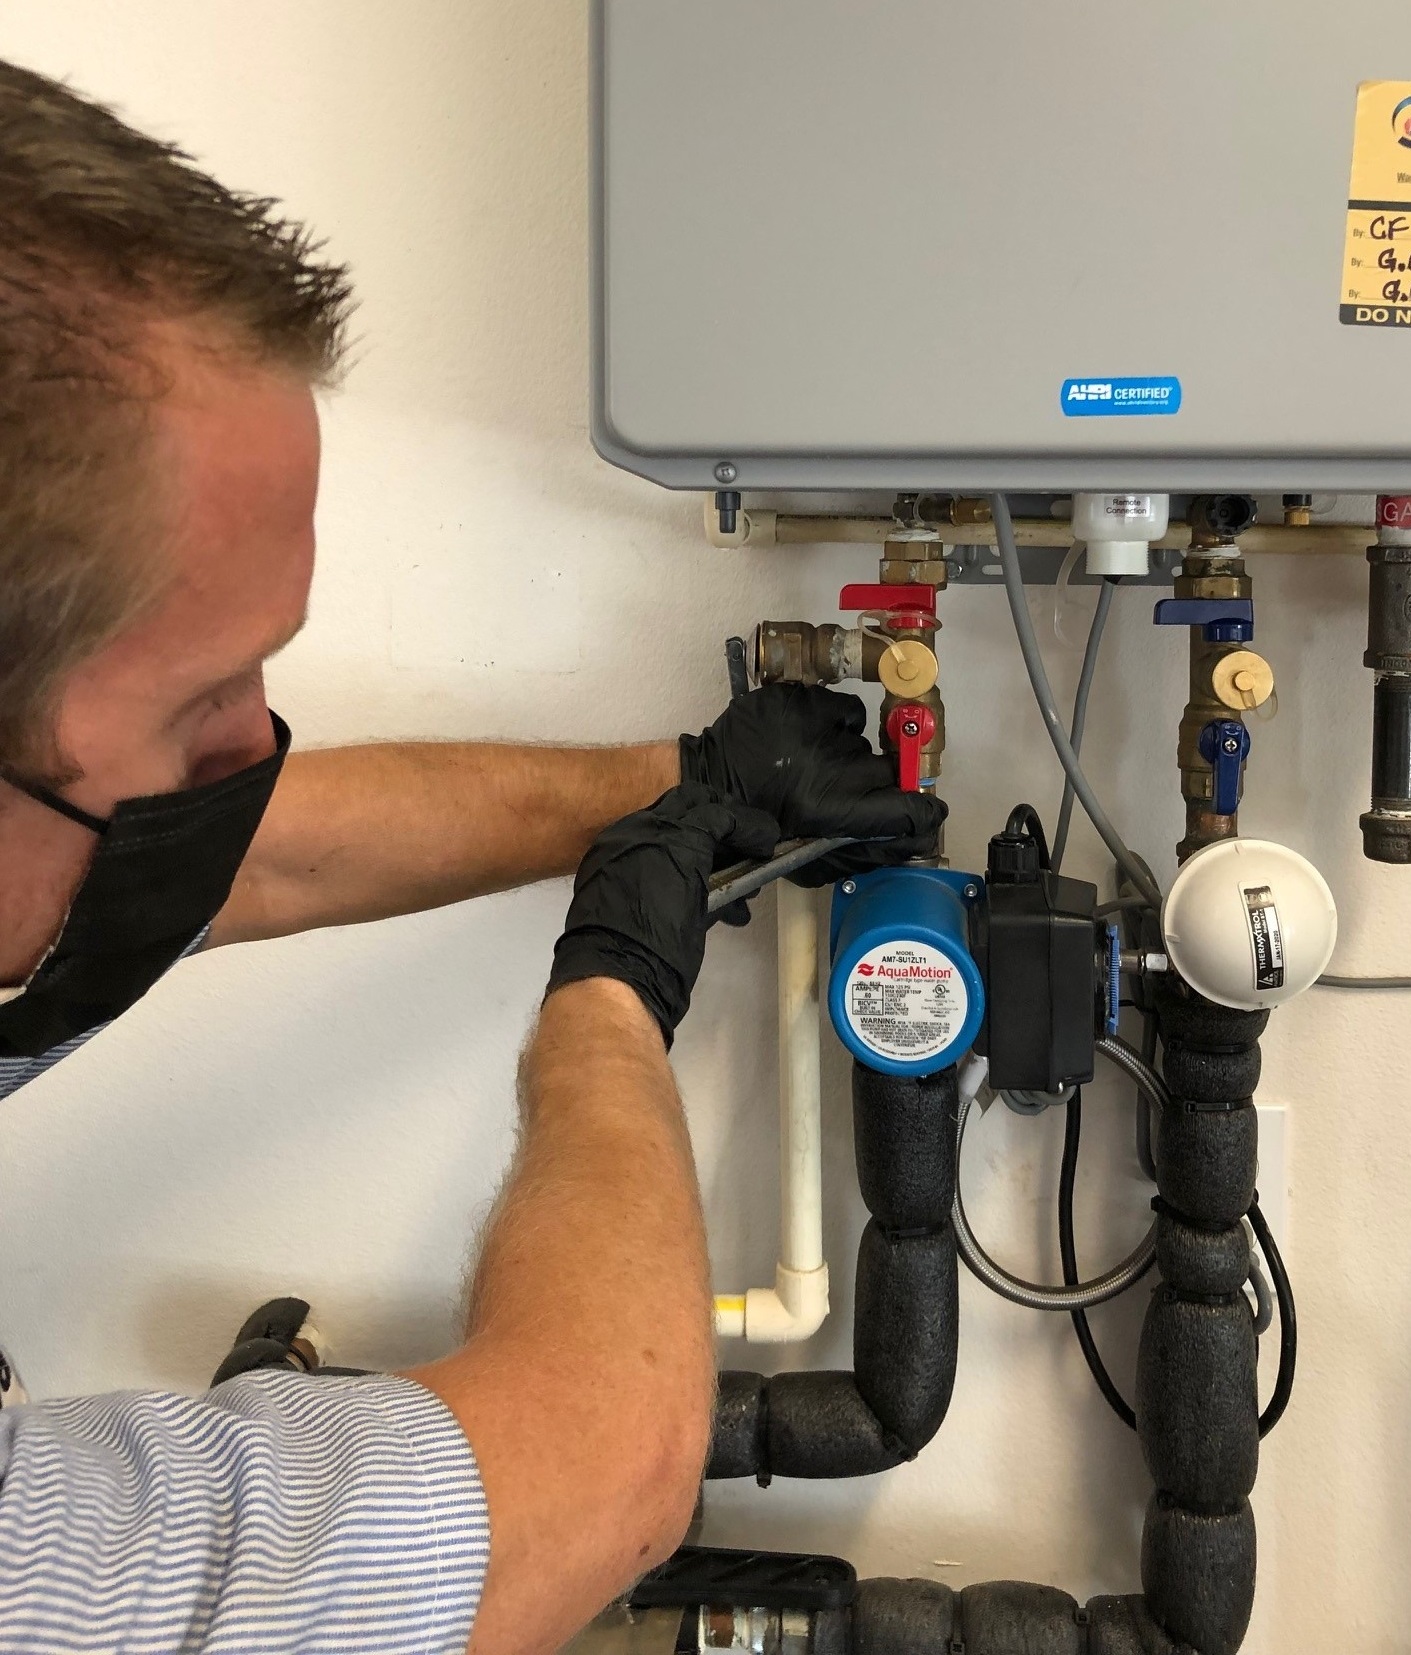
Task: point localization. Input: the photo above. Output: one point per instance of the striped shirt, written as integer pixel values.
(279, 1512)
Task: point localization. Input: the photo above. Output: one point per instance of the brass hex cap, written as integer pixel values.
(908, 668)
(1242, 680)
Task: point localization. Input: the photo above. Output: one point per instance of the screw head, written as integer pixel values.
(849, 887)
(972, 891)
(725, 472)
(911, 728)
(1231, 745)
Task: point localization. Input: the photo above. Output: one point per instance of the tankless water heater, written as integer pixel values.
(1116, 244)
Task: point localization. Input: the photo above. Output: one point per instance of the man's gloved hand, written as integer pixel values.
(639, 902)
(800, 754)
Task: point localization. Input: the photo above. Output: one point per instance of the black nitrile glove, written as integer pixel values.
(800, 753)
(639, 902)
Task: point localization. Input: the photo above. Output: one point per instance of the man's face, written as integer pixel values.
(178, 699)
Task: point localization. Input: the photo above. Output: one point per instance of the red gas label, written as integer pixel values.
(1394, 511)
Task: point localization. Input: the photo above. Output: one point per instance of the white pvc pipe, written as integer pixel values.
(800, 1125)
(795, 1307)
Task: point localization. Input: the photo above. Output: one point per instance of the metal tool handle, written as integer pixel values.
(745, 878)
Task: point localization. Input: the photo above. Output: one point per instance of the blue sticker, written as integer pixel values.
(1110, 398)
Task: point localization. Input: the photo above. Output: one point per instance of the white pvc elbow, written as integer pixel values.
(792, 1310)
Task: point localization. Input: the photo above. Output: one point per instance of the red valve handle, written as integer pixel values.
(914, 599)
(909, 727)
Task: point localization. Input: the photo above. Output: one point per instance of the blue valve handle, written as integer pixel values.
(1224, 743)
(1114, 979)
(1223, 620)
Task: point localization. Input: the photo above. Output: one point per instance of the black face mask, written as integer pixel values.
(162, 872)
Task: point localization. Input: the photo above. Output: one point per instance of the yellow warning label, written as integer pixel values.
(1376, 265)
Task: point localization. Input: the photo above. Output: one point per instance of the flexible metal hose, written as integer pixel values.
(1041, 1296)
(1327, 980)
(1137, 1068)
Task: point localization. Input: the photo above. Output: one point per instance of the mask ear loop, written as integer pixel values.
(52, 801)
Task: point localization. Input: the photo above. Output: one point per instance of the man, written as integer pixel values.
(160, 344)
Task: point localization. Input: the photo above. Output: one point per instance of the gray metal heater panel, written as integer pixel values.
(865, 243)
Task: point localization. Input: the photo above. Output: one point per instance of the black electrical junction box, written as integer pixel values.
(1040, 948)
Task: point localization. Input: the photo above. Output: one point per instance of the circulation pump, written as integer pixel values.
(928, 963)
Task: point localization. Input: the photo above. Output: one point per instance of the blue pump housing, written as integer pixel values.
(904, 993)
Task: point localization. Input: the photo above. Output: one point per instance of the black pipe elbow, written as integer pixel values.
(906, 1313)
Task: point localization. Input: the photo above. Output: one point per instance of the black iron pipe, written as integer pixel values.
(1386, 827)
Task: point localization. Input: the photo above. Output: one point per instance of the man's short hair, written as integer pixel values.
(104, 232)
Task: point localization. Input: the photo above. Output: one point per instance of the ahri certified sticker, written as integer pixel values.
(1114, 398)
(1266, 934)
(1376, 272)
(906, 1001)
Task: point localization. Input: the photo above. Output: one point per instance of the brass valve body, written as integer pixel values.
(1208, 572)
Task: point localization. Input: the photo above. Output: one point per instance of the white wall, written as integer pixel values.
(329, 1115)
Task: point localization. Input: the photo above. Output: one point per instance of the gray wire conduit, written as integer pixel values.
(1139, 875)
(1039, 1296)
(1080, 714)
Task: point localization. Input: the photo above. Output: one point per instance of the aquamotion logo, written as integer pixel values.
(1401, 123)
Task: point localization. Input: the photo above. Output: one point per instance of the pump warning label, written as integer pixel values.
(1376, 273)
(906, 1001)
(1266, 934)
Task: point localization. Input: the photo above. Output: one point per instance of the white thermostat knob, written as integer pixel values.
(1249, 923)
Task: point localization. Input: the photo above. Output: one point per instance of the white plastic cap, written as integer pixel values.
(1118, 557)
(1249, 923)
(1118, 529)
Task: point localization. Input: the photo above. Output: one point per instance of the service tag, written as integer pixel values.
(1376, 274)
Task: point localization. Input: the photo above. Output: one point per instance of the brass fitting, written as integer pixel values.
(913, 559)
(952, 510)
(797, 652)
(964, 511)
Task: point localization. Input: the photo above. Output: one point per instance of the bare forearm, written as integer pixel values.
(589, 1361)
(362, 833)
(602, 1209)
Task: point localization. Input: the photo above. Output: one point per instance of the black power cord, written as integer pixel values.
(1288, 1319)
(1067, 1178)
(1144, 1150)
(1025, 823)
(1283, 1288)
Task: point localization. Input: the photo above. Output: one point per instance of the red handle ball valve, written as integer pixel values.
(909, 727)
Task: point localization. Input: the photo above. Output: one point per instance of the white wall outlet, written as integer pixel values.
(1274, 1169)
